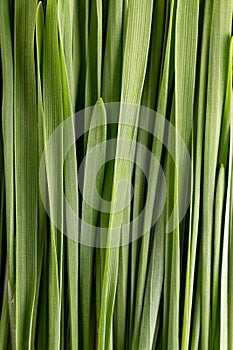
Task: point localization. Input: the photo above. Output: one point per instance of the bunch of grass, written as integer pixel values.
(164, 290)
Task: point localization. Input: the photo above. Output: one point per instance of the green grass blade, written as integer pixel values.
(230, 340)
(65, 20)
(70, 167)
(112, 62)
(26, 178)
(83, 12)
(120, 322)
(169, 169)
(219, 203)
(42, 220)
(153, 288)
(97, 135)
(40, 323)
(186, 35)
(230, 322)
(186, 38)
(226, 279)
(224, 307)
(53, 116)
(226, 120)
(94, 60)
(76, 54)
(196, 328)
(8, 144)
(111, 89)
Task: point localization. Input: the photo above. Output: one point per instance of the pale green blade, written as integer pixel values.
(76, 54)
(173, 257)
(112, 60)
(96, 138)
(83, 19)
(92, 88)
(230, 184)
(94, 59)
(42, 223)
(70, 179)
(111, 89)
(53, 116)
(225, 154)
(65, 20)
(230, 321)
(186, 39)
(40, 323)
(219, 203)
(120, 321)
(153, 288)
(196, 328)
(226, 278)
(169, 169)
